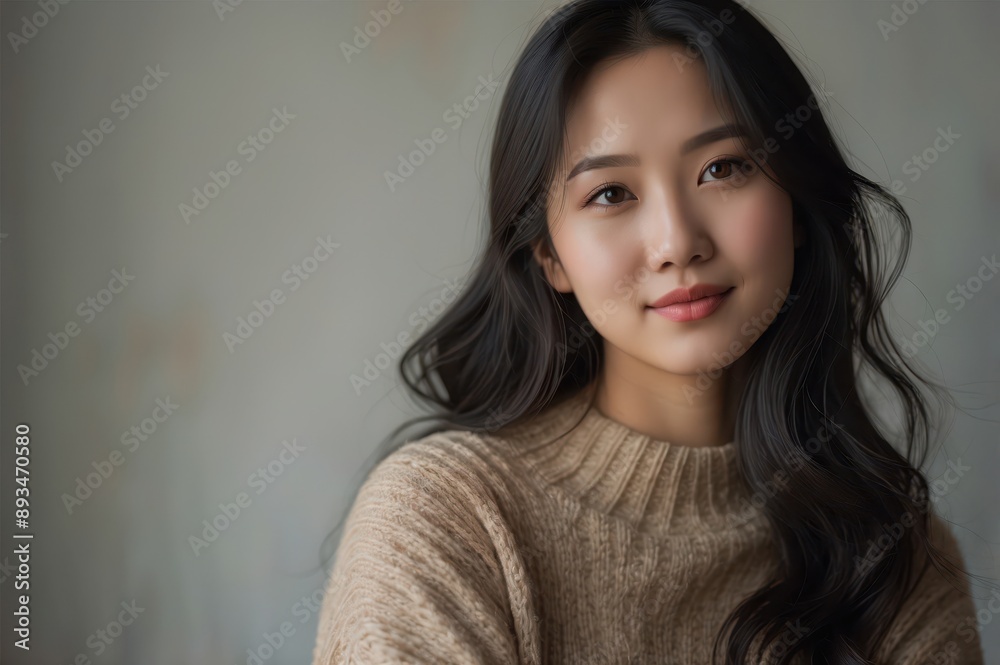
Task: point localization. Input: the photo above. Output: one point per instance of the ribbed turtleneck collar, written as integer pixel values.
(658, 487)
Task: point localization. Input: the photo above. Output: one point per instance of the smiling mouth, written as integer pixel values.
(693, 310)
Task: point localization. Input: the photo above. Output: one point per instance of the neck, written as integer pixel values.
(688, 410)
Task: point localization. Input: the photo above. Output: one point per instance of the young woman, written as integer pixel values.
(652, 447)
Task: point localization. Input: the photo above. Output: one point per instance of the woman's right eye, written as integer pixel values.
(607, 189)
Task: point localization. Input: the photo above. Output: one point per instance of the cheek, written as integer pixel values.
(595, 263)
(759, 234)
(603, 274)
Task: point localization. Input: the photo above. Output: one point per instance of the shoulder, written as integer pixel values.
(422, 563)
(452, 464)
(455, 450)
(937, 622)
(451, 452)
(444, 490)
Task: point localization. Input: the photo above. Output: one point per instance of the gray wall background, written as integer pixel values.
(162, 336)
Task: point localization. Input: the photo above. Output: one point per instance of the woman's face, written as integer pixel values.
(677, 210)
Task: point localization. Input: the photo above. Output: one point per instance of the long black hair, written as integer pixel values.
(510, 345)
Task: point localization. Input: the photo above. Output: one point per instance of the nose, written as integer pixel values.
(676, 235)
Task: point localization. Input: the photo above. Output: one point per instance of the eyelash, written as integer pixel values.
(606, 185)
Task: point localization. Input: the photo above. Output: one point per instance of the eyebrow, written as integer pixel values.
(611, 161)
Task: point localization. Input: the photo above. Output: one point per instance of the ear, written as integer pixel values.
(545, 257)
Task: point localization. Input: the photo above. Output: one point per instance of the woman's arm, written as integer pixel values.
(937, 625)
(417, 576)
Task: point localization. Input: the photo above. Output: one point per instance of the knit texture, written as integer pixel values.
(571, 538)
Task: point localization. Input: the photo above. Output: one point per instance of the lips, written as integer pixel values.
(682, 295)
(699, 301)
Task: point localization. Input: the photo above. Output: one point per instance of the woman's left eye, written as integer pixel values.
(728, 168)
(610, 190)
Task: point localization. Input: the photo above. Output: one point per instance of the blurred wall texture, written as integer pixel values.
(169, 167)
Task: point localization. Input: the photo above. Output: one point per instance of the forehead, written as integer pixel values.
(661, 94)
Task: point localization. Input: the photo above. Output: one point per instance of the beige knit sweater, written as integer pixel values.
(603, 546)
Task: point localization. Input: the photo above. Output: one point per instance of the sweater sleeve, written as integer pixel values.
(417, 576)
(937, 624)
